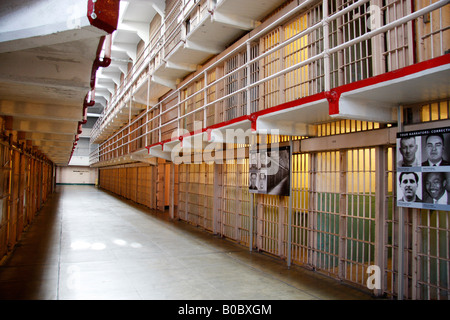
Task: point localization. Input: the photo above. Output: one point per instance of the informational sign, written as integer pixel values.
(423, 169)
(269, 171)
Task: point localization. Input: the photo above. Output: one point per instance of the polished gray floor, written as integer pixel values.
(89, 244)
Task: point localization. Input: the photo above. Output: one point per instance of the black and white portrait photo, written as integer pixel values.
(436, 188)
(253, 181)
(409, 152)
(434, 150)
(409, 187)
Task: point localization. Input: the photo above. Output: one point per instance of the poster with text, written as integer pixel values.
(270, 171)
(423, 169)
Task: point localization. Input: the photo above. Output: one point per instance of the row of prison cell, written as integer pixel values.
(26, 181)
(344, 217)
(282, 65)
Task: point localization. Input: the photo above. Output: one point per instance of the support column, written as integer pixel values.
(289, 243)
(416, 245)
(160, 184)
(342, 214)
(326, 46)
(147, 112)
(281, 222)
(252, 147)
(172, 192)
(381, 207)
(217, 197)
(312, 210)
(248, 102)
(401, 225)
(238, 203)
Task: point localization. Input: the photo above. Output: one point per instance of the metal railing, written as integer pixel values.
(146, 63)
(341, 54)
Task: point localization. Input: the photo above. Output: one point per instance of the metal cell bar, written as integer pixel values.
(401, 223)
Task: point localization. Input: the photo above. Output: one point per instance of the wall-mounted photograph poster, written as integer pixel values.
(269, 171)
(423, 169)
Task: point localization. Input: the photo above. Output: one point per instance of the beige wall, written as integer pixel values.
(76, 175)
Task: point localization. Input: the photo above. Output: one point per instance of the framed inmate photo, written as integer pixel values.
(436, 190)
(409, 152)
(435, 150)
(409, 189)
(253, 181)
(253, 161)
(262, 181)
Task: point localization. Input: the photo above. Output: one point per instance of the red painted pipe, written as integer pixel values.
(104, 14)
(104, 62)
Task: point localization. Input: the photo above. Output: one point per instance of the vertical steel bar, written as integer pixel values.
(380, 213)
(401, 229)
(428, 255)
(362, 215)
(237, 207)
(179, 106)
(326, 45)
(249, 57)
(414, 269)
(172, 191)
(441, 33)
(251, 223)
(159, 121)
(280, 228)
(396, 36)
(350, 201)
(447, 257)
(289, 244)
(438, 271)
(205, 99)
(431, 33)
(146, 113)
(311, 210)
(343, 190)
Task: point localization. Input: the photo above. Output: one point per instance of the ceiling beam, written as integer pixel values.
(40, 111)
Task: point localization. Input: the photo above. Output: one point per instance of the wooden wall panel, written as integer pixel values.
(25, 183)
(137, 183)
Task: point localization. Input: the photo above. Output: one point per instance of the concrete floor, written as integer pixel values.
(89, 244)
